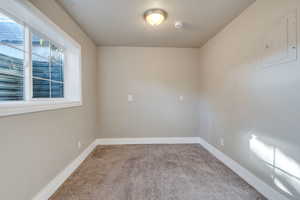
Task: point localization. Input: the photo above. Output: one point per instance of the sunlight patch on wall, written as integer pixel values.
(262, 150)
(291, 183)
(287, 164)
(286, 171)
(281, 186)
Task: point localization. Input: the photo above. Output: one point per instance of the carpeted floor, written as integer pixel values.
(154, 172)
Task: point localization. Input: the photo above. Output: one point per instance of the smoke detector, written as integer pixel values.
(178, 24)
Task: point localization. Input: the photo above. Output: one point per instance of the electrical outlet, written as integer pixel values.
(79, 144)
(222, 142)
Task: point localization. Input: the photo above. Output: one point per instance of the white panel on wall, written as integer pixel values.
(280, 44)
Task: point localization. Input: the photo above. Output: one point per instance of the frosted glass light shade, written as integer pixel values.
(155, 17)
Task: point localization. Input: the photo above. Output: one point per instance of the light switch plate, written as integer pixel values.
(130, 98)
(181, 98)
(222, 142)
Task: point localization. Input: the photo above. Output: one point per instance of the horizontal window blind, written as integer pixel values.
(11, 60)
(47, 62)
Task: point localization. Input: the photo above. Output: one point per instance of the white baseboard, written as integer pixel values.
(250, 178)
(50, 189)
(170, 140)
(255, 182)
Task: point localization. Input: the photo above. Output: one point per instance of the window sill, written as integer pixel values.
(16, 108)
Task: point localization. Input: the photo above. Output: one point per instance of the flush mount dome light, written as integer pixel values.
(155, 16)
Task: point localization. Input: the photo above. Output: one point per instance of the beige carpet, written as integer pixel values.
(154, 172)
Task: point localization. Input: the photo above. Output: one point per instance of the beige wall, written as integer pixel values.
(35, 147)
(156, 77)
(241, 99)
(238, 99)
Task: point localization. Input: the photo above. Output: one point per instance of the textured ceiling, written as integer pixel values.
(120, 22)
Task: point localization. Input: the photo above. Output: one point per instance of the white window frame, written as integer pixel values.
(32, 17)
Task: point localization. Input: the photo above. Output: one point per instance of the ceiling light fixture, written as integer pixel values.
(155, 16)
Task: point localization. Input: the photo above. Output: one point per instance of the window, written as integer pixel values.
(46, 63)
(47, 68)
(40, 65)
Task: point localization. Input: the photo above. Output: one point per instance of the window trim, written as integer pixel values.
(34, 20)
(22, 107)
